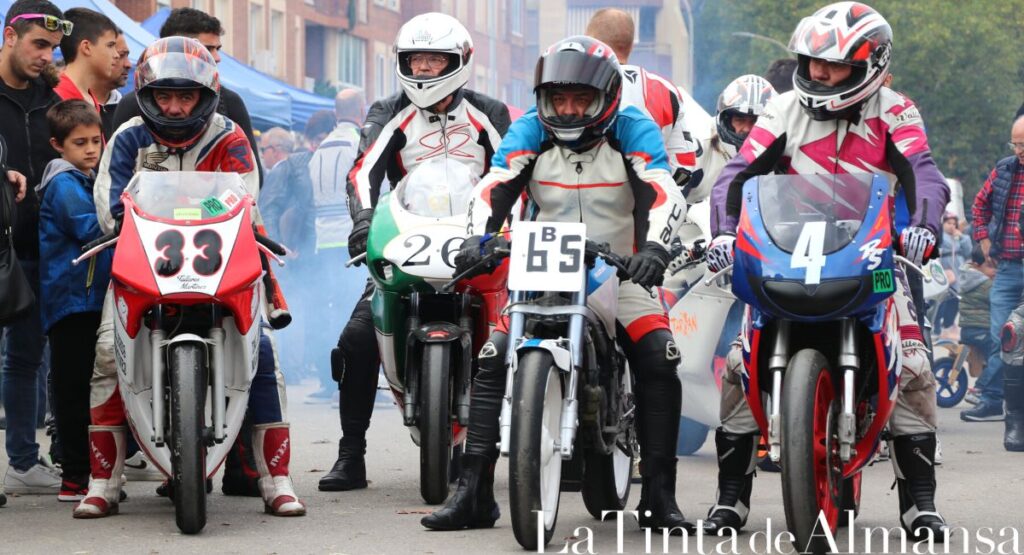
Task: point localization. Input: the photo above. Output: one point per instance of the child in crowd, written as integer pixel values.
(975, 282)
(71, 296)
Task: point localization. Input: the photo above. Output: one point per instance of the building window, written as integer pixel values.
(379, 77)
(577, 19)
(361, 11)
(393, 5)
(257, 39)
(351, 60)
(163, 4)
(515, 17)
(277, 42)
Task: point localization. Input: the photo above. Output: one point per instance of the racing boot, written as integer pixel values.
(472, 505)
(1013, 384)
(658, 508)
(106, 461)
(737, 457)
(349, 471)
(913, 460)
(240, 475)
(272, 448)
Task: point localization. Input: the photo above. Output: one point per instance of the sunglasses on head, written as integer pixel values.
(50, 22)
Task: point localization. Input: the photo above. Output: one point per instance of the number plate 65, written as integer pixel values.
(547, 256)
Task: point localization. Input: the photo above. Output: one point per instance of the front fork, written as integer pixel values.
(570, 406)
(848, 364)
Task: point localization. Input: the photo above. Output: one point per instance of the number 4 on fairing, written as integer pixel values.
(809, 251)
(547, 256)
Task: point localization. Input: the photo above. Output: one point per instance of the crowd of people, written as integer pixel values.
(606, 142)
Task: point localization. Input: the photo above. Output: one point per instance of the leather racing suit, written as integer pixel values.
(661, 101)
(623, 190)
(396, 137)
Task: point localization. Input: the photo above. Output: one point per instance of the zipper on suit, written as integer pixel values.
(579, 191)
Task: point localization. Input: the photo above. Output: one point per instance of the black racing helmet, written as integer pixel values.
(578, 61)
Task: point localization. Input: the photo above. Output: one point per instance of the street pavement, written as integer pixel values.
(980, 485)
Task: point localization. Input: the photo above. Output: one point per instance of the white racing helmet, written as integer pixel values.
(850, 33)
(746, 95)
(440, 33)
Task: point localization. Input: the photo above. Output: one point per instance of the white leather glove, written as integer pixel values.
(917, 244)
(719, 255)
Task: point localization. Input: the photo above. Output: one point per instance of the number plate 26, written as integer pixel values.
(427, 251)
(547, 256)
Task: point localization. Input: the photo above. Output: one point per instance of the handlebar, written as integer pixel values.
(718, 274)
(355, 261)
(907, 263)
(271, 245)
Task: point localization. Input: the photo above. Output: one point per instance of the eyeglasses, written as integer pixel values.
(50, 22)
(1015, 146)
(435, 61)
(268, 147)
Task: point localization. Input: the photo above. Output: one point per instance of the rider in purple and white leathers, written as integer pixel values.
(840, 119)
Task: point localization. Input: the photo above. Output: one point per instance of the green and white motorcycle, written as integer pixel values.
(429, 336)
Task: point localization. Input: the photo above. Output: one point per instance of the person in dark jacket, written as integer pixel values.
(71, 296)
(188, 22)
(33, 28)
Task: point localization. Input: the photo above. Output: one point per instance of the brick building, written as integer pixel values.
(303, 42)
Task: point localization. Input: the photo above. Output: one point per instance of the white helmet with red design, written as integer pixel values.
(849, 33)
(747, 95)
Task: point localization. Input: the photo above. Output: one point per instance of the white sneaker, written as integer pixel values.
(38, 480)
(137, 468)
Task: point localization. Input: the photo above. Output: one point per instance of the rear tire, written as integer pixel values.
(535, 465)
(187, 379)
(435, 422)
(811, 470)
(607, 477)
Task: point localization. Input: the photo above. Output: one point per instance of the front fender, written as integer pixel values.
(560, 355)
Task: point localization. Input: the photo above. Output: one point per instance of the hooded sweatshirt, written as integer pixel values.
(67, 221)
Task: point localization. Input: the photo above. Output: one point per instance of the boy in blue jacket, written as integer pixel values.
(71, 296)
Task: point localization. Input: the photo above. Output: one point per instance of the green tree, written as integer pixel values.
(957, 60)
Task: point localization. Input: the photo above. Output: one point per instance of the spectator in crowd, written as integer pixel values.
(276, 144)
(996, 222)
(109, 94)
(188, 22)
(954, 250)
(33, 28)
(90, 55)
(71, 296)
(975, 286)
(780, 74)
(327, 169)
(286, 205)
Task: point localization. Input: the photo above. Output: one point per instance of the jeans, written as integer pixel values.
(1004, 296)
(24, 343)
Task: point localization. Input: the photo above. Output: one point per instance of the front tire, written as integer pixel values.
(534, 461)
(435, 422)
(607, 477)
(812, 481)
(187, 379)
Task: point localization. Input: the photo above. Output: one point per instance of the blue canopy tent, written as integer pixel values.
(304, 103)
(267, 108)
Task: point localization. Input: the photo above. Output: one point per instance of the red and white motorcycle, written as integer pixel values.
(188, 294)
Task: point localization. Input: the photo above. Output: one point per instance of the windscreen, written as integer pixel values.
(795, 207)
(437, 188)
(193, 196)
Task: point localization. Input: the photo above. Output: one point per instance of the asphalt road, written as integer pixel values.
(980, 486)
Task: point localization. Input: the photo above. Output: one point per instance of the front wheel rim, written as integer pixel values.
(550, 456)
(828, 469)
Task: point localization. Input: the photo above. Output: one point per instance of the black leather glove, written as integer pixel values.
(472, 252)
(647, 266)
(360, 231)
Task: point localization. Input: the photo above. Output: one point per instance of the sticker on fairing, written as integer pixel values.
(881, 281)
(214, 206)
(188, 214)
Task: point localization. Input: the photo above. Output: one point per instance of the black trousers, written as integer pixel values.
(358, 384)
(72, 353)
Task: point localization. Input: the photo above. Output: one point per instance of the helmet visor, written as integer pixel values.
(176, 70)
(572, 67)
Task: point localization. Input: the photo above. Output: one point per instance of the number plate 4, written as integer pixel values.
(547, 256)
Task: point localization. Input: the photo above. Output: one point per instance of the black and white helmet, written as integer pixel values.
(849, 33)
(437, 33)
(746, 95)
